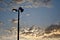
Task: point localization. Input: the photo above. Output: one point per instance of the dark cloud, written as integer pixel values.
(1, 0)
(54, 36)
(53, 28)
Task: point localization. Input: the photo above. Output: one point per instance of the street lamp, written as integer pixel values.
(20, 9)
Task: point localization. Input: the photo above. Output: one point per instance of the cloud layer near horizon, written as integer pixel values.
(30, 33)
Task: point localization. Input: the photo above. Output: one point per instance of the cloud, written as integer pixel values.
(1, 0)
(27, 14)
(28, 6)
(19, 1)
(34, 3)
(14, 21)
(1, 8)
(1, 23)
(41, 3)
(52, 28)
(11, 34)
(4, 5)
(57, 23)
(25, 3)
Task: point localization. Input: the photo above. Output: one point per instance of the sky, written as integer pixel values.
(36, 12)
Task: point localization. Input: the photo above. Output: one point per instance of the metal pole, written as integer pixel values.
(18, 25)
(18, 10)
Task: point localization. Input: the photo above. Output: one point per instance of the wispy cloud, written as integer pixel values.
(19, 1)
(35, 3)
(27, 3)
(1, 22)
(11, 34)
(27, 14)
(14, 20)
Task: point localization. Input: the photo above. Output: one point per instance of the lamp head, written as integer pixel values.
(14, 10)
(21, 9)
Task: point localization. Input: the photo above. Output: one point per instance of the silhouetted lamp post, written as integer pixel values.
(19, 10)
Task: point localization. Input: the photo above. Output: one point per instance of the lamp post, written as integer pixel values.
(19, 10)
